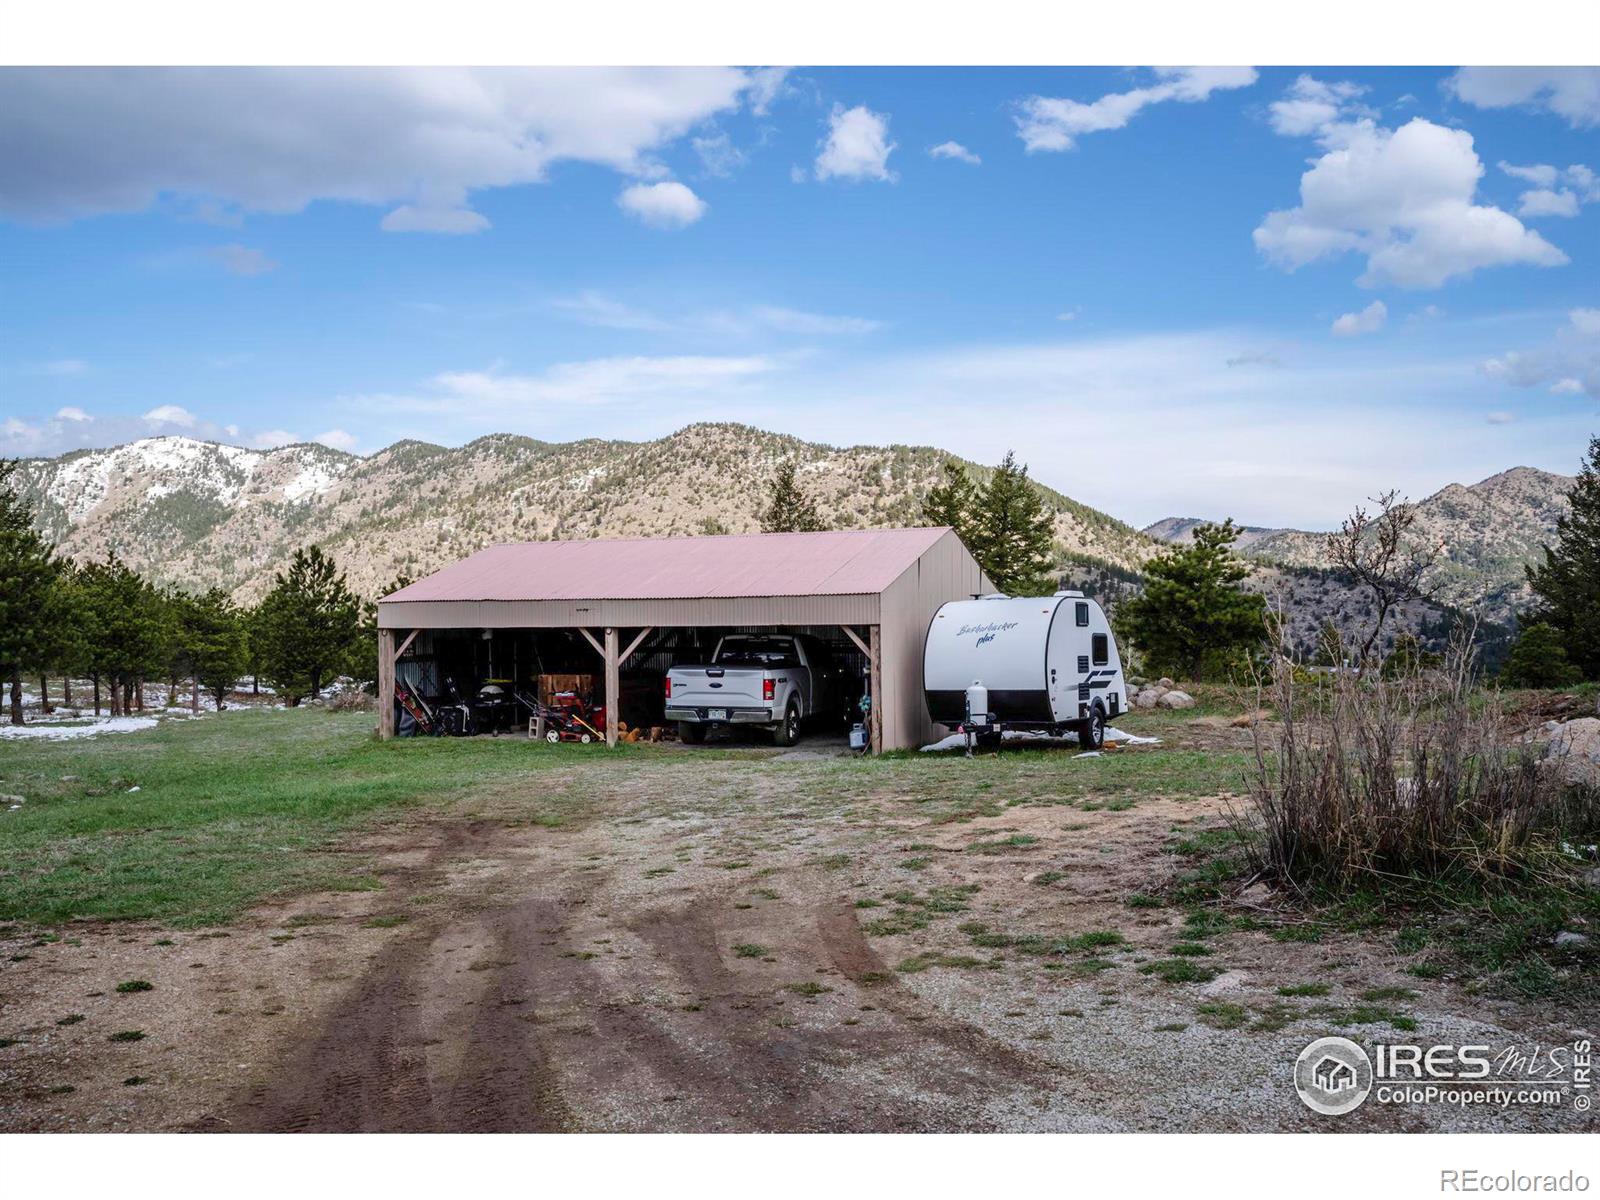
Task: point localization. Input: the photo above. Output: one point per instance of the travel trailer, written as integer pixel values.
(1045, 663)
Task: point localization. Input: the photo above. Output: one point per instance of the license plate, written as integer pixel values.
(716, 714)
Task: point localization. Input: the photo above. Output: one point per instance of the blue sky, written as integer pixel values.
(1206, 292)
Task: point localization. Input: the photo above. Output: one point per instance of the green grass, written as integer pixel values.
(921, 962)
(1305, 989)
(809, 987)
(1179, 970)
(749, 950)
(135, 985)
(236, 808)
(1223, 1015)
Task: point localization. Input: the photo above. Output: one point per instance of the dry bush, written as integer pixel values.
(353, 700)
(1414, 777)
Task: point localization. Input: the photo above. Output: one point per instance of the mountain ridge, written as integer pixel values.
(1490, 530)
(197, 513)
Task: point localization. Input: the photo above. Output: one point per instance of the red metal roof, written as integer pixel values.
(836, 563)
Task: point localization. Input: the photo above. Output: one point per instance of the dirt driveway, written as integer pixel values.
(761, 946)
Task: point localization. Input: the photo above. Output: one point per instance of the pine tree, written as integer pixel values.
(363, 664)
(954, 503)
(1192, 611)
(308, 625)
(216, 649)
(789, 510)
(127, 627)
(1538, 660)
(1330, 645)
(1013, 539)
(29, 572)
(1567, 585)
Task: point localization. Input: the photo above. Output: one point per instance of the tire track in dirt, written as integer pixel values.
(368, 1068)
(849, 951)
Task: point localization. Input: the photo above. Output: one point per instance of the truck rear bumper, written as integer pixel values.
(736, 716)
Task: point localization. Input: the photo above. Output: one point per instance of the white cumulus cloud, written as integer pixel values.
(1309, 104)
(1404, 198)
(1543, 203)
(857, 146)
(1569, 92)
(1369, 320)
(1569, 364)
(1556, 191)
(665, 205)
(72, 413)
(956, 151)
(442, 218)
(85, 141)
(170, 414)
(337, 439)
(1054, 123)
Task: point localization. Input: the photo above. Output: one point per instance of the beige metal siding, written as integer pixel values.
(945, 572)
(628, 614)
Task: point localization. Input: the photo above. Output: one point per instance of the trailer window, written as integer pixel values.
(1099, 647)
(1083, 614)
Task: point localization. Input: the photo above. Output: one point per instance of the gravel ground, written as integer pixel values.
(749, 952)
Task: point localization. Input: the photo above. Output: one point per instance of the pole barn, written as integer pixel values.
(640, 604)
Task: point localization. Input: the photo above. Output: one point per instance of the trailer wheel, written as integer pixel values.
(1092, 732)
(691, 732)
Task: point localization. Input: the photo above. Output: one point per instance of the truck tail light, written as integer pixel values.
(669, 687)
(769, 689)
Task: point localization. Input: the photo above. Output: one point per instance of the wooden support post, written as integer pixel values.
(875, 727)
(386, 657)
(634, 645)
(613, 684)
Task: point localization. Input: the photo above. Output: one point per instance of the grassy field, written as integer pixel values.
(234, 808)
(227, 810)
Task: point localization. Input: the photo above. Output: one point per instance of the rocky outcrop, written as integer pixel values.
(1574, 750)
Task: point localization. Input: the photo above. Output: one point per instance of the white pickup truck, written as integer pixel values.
(769, 680)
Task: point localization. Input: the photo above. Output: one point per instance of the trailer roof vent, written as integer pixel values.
(1074, 593)
(995, 596)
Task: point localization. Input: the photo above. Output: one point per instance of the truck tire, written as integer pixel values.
(691, 732)
(1092, 732)
(788, 733)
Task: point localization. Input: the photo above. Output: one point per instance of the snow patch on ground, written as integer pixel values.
(58, 730)
(311, 480)
(958, 741)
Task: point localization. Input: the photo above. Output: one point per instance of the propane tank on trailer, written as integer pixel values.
(978, 704)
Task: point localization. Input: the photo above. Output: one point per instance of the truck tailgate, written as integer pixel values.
(716, 687)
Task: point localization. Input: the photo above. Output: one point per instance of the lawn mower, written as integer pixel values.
(567, 718)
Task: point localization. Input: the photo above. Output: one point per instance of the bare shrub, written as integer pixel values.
(353, 700)
(1413, 777)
